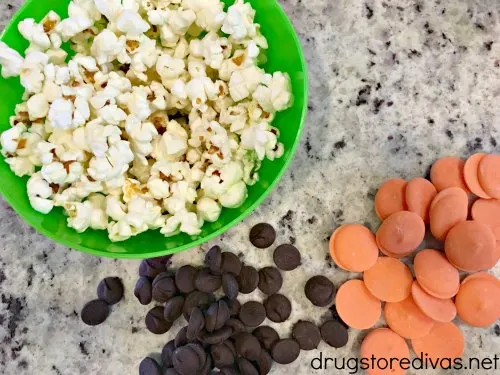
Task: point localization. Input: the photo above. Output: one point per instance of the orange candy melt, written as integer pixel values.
(435, 274)
(401, 233)
(471, 246)
(487, 211)
(471, 175)
(355, 248)
(406, 319)
(356, 306)
(445, 340)
(440, 310)
(419, 195)
(478, 302)
(384, 343)
(389, 280)
(489, 175)
(390, 198)
(449, 207)
(448, 172)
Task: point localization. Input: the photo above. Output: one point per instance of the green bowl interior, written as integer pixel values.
(284, 54)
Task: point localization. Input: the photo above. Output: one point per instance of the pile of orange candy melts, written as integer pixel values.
(459, 206)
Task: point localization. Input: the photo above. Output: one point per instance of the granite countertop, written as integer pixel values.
(393, 85)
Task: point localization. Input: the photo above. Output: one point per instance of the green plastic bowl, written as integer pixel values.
(284, 54)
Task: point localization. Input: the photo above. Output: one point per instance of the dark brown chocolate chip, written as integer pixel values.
(334, 333)
(246, 367)
(228, 371)
(247, 346)
(223, 354)
(151, 268)
(110, 290)
(189, 359)
(95, 312)
(230, 285)
(170, 371)
(286, 257)
(248, 279)
(207, 367)
(196, 299)
(213, 259)
(285, 351)
(265, 362)
(181, 337)
(233, 305)
(231, 263)
(167, 352)
(320, 291)
(216, 316)
(184, 278)
(262, 235)
(144, 290)
(195, 325)
(278, 308)
(173, 308)
(237, 326)
(216, 337)
(206, 282)
(267, 336)
(164, 287)
(270, 280)
(148, 366)
(155, 322)
(252, 313)
(306, 334)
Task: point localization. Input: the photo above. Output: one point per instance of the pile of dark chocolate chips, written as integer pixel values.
(220, 332)
(109, 292)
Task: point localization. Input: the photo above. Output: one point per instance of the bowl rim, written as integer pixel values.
(118, 255)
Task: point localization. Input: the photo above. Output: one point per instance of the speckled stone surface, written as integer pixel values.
(393, 85)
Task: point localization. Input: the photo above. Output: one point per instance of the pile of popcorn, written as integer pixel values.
(161, 118)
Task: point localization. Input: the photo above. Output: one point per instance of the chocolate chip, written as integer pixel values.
(265, 362)
(228, 371)
(207, 367)
(252, 313)
(246, 367)
(223, 354)
(270, 280)
(170, 371)
(216, 337)
(320, 291)
(144, 290)
(278, 308)
(189, 359)
(149, 366)
(206, 282)
(167, 352)
(110, 290)
(181, 337)
(248, 279)
(155, 322)
(233, 305)
(286, 257)
(230, 285)
(237, 326)
(196, 299)
(184, 278)
(195, 325)
(95, 312)
(173, 308)
(213, 259)
(230, 263)
(306, 334)
(262, 235)
(248, 346)
(164, 287)
(285, 351)
(334, 333)
(216, 316)
(267, 336)
(151, 268)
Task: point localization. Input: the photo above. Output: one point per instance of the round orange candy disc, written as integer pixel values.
(384, 344)
(448, 172)
(478, 302)
(406, 319)
(356, 306)
(489, 175)
(355, 247)
(401, 233)
(471, 175)
(440, 310)
(445, 340)
(487, 211)
(448, 208)
(435, 274)
(389, 280)
(419, 195)
(390, 198)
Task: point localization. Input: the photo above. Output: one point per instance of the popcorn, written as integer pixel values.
(10, 60)
(158, 120)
